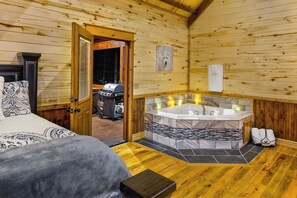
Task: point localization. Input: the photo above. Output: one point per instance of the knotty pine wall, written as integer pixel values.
(45, 26)
(255, 40)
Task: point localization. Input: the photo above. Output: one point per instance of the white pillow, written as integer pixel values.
(2, 117)
(16, 98)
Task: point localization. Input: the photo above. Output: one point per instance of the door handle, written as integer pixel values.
(76, 110)
(69, 109)
(73, 99)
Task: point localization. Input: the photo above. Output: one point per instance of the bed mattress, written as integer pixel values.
(20, 130)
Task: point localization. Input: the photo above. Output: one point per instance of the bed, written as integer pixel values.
(41, 159)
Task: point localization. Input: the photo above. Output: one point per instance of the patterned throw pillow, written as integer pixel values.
(1, 96)
(16, 98)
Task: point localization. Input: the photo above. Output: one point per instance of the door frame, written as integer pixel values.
(128, 37)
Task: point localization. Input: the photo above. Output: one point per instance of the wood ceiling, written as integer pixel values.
(190, 9)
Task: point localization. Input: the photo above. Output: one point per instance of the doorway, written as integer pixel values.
(108, 90)
(113, 65)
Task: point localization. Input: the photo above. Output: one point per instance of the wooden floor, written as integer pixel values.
(106, 129)
(272, 174)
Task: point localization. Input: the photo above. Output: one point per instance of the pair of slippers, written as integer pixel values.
(264, 137)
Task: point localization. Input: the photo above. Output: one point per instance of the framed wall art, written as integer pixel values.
(164, 58)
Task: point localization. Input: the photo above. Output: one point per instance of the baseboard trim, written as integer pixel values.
(287, 143)
(137, 136)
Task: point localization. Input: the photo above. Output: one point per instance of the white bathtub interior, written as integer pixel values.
(193, 111)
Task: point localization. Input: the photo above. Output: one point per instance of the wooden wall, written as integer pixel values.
(45, 27)
(59, 116)
(279, 116)
(138, 115)
(255, 40)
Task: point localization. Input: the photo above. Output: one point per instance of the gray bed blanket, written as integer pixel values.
(78, 166)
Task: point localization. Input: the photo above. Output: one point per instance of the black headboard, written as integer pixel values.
(26, 71)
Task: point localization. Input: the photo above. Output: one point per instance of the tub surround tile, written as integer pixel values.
(163, 130)
(236, 144)
(149, 100)
(186, 134)
(150, 107)
(230, 159)
(207, 124)
(231, 124)
(162, 146)
(245, 102)
(246, 149)
(219, 100)
(148, 126)
(257, 149)
(196, 137)
(163, 140)
(248, 108)
(148, 117)
(223, 144)
(207, 144)
(186, 152)
(214, 134)
(155, 137)
(159, 100)
(183, 124)
(152, 146)
(172, 143)
(249, 156)
(233, 152)
(191, 143)
(208, 98)
(158, 119)
(225, 105)
(224, 156)
(176, 155)
(210, 152)
(217, 124)
(179, 144)
(232, 100)
(148, 135)
(169, 122)
(201, 159)
(240, 143)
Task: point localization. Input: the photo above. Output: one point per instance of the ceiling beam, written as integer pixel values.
(199, 10)
(159, 8)
(178, 5)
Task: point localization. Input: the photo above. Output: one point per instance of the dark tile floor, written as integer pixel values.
(219, 156)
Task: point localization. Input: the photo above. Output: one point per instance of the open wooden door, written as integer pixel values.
(81, 80)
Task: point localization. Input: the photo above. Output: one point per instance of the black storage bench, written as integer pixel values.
(147, 184)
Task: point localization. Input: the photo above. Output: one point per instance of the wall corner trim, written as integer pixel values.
(287, 143)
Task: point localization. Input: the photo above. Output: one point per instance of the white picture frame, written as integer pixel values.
(164, 56)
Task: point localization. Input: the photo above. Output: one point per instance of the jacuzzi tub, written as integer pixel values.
(200, 112)
(198, 127)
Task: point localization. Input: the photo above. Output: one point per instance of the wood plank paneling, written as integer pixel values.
(138, 115)
(45, 27)
(279, 116)
(256, 43)
(247, 126)
(56, 115)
